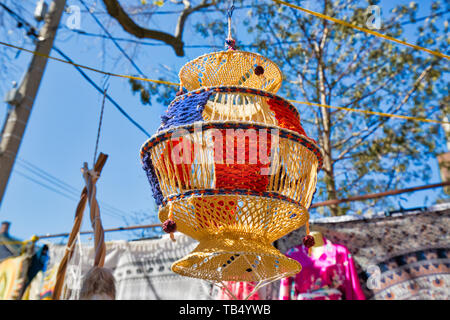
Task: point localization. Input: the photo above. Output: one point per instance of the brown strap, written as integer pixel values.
(75, 229)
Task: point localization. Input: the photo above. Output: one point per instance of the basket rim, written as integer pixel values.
(230, 192)
(230, 52)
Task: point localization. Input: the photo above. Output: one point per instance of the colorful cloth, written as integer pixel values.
(33, 290)
(142, 269)
(331, 276)
(12, 277)
(404, 256)
(240, 290)
(48, 283)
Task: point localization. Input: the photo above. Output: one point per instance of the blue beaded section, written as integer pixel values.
(147, 165)
(185, 111)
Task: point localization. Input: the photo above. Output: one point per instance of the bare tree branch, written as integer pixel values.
(116, 11)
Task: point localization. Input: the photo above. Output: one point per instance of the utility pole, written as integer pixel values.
(17, 119)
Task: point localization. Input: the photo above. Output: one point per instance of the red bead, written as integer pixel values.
(308, 241)
(169, 226)
(259, 70)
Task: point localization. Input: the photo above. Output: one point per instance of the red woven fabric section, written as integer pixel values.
(285, 117)
(179, 158)
(236, 175)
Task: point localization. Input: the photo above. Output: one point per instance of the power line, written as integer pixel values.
(374, 33)
(177, 11)
(379, 195)
(63, 185)
(146, 43)
(50, 179)
(32, 32)
(45, 185)
(106, 230)
(113, 40)
(118, 107)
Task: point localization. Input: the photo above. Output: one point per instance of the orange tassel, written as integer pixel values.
(172, 236)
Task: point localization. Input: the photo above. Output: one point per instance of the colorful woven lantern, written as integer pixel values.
(232, 167)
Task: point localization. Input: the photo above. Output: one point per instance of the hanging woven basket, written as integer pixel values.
(232, 166)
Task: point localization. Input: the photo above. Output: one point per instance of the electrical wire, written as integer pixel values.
(79, 67)
(63, 187)
(109, 35)
(32, 32)
(206, 46)
(377, 34)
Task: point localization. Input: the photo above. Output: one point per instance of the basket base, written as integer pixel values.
(236, 258)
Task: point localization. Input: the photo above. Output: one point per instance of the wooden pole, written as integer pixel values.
(17, 119)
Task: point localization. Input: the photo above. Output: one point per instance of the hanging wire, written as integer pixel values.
(230, 42)
(105, 89)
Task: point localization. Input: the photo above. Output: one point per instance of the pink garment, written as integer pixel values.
(240, 289)
(332, 276)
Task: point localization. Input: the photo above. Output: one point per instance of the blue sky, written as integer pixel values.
(62, 130)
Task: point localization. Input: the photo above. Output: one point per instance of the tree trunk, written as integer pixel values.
(326, 143)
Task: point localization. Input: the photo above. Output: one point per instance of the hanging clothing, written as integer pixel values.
(48, 283)
(404, 256)
(12, 277)
(9, 246)
(332, 276)
(240, 290)
(37, 264)
(33, 290)
(142, 269)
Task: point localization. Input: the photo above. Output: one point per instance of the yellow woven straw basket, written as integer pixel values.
(233, 168)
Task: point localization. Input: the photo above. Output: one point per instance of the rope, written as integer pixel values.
(371, 112)
(90, 178)
(177, 85)
(85, 195)
(377, 34)
(230, 42)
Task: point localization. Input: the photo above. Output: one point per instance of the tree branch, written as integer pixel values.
(116, 11)
(382, 122)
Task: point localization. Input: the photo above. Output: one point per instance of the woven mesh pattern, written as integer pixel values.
(235, 234)
(233, 167)
(196, 163)
(231, 68)
(185, 111)
(152, 178)
(200, 216)
(235, 259)
(231, 104)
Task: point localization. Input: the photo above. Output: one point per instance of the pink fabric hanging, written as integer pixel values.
(332, 276)
(240, 289)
